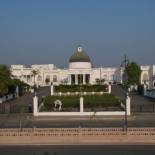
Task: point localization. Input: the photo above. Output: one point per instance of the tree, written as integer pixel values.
(7, 84)
(34, 73)
(4, 71)
(3, 89)
(132, 74)
(100, 81)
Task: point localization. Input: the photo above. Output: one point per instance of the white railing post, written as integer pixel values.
(81, 104)
(52, 90)
(109, 88)
(128, 101)
(35, 105)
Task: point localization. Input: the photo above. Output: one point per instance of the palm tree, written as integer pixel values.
(34, 73)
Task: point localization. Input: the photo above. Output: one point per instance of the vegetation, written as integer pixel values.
(34, 73)
(47, 81)
(133, 73)
(7, 84)
(80, 88)
(93, 101)
(100, 81)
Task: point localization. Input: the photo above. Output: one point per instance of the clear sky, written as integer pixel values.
(48, 31)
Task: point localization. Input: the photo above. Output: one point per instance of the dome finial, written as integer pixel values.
(79, 49)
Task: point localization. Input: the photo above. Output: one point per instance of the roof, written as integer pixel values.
(79, 56)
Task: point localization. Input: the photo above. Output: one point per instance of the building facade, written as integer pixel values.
(80, 71)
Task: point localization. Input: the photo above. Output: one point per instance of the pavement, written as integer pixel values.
(29, 121)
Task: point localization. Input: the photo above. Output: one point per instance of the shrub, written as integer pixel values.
(79, 88)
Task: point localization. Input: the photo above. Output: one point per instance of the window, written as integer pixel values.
(55, 78)
(47, 80)
(39, 78)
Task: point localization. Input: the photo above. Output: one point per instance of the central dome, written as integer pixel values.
(79, 56)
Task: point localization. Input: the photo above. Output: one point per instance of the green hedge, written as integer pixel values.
(78, 88)
(94, 101)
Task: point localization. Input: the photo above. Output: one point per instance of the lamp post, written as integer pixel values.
(124, 64)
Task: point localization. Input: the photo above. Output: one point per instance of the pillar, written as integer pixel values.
(128, 101)
(70, 79)
(35, 105)
(81, 104)
(84, 78)
(52, 90)
(76, 79)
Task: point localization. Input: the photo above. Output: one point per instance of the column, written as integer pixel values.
(84, 78)
(69, 79)
(76, 79)
(35, 106)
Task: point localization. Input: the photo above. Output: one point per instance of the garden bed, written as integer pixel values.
(91, 102)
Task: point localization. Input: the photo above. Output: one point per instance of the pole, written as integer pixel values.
(126, 94)
(125, 61)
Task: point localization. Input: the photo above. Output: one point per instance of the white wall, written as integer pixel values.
(79, 65)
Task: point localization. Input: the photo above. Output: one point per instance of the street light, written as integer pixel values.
(124, 64)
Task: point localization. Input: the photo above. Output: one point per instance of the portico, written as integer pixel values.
(80, 79)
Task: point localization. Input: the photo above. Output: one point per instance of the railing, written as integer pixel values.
(79, 93)
(50, 132)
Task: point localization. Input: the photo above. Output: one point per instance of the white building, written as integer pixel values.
(80, 71)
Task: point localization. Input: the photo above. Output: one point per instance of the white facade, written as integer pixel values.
(148, 76)
(80, 71)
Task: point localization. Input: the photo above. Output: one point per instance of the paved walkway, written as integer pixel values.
(139, 103)
(23, 103)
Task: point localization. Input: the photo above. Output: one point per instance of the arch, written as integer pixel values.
(145, 77)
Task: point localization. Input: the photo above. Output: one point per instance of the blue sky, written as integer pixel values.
(48, 31)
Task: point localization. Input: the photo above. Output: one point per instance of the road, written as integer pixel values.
(79, 150)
